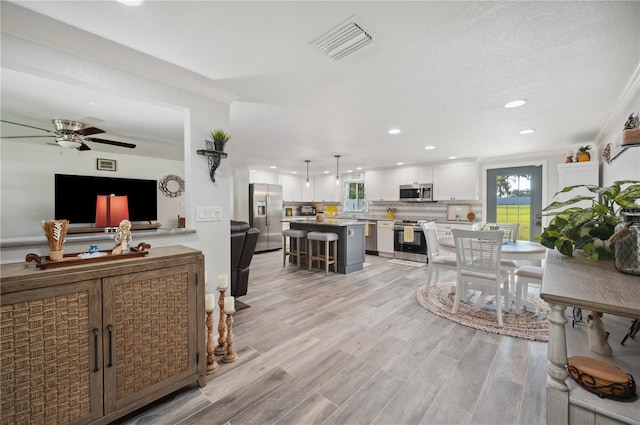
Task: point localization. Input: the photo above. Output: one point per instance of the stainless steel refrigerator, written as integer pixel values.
(265, 214)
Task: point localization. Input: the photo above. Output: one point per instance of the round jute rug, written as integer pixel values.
(532, 325)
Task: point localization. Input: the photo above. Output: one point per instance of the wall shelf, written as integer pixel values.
(213, 158)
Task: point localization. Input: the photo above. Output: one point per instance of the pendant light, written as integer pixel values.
(307, 161)
(337, 170)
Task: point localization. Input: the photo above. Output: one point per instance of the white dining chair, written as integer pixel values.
(478, 255)
(510, 233)
(510, 230)
(526, 275)
(435, 260)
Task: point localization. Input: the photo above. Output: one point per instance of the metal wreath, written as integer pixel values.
(165, 189)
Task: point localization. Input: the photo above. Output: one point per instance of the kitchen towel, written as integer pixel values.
(366, 229)
(408, 233)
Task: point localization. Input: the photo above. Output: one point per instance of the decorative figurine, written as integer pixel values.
(123, 237)
(598, 335)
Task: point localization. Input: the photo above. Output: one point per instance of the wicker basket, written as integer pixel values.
(601, 378)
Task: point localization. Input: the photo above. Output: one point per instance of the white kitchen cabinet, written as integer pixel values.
(392, 179)
(576, 173)
(291, 188)
(455, 182)
(385, 238)
(424, 175)
(256, 176)
(326, 190)
(373, 186)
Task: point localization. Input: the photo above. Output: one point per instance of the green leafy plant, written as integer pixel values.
(220, 136)
(588, 228)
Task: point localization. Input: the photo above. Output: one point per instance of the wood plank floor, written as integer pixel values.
(358, 349)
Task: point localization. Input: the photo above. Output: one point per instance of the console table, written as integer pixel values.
(577, 282)
(90, 343)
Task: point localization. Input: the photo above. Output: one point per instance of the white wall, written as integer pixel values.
(27, 182)
(35, 52)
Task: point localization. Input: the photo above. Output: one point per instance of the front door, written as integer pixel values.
(514, 195)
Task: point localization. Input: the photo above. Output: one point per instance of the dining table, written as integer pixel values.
(519, 250)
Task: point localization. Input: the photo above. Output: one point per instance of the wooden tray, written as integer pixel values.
(45, 262)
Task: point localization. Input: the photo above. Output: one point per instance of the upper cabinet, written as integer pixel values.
(291, 188)
(455, 182)
(373, 185)
(326, 190)
(391, 180)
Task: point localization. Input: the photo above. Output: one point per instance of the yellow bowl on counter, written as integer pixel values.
(332, 211)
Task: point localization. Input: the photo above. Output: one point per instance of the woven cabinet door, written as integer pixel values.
(52, 355)
(149, 333)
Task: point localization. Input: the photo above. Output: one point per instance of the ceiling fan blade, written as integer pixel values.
(112, 142)
(25, 125)
(89, 131)
(25, 137)
(83, 147)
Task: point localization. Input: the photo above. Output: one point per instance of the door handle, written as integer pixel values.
(95, 350)
(110, 329)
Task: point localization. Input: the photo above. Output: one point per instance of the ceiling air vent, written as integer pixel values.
(343, 40)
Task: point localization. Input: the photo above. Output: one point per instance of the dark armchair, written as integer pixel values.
(243, 244)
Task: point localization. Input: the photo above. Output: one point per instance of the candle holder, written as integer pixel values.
(230, 356)
(212, 364)
(221, 348)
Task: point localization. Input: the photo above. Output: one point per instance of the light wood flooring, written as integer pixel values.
(358, 349)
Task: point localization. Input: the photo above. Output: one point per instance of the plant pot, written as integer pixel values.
(219, 146)
(390, 215)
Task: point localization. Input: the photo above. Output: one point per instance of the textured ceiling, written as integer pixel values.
(440, 71)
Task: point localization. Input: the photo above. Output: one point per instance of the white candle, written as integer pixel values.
(223, 281)
(229, 304)
(206, 277)
(209, 302)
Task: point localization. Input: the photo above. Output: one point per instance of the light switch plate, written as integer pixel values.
(208, 213)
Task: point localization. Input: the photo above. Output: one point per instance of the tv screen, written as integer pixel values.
(75, 197)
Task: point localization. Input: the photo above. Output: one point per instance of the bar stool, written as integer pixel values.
(526, 275)
(327, 238)
(295, 250)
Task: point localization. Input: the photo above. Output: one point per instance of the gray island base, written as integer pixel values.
(350, 242)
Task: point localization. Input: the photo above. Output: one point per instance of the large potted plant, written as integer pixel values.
(220, 138)
(588, 228)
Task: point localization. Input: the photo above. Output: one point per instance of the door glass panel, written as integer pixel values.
(514, 196)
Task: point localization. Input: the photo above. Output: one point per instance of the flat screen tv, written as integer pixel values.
(75, 197)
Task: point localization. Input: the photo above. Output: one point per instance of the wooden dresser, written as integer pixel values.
(598, 286)
(93, 342)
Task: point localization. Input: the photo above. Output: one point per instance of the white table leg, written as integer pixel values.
(557, 390)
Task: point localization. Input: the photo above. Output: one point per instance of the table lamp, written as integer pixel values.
(110, 211)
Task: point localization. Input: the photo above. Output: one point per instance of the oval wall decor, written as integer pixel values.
(171, 186)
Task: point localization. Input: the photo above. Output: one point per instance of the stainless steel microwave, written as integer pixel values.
(422, 192)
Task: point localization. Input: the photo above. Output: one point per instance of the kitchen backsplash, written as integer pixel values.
(422, 210)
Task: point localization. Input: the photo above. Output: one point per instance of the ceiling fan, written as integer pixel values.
(71, 134)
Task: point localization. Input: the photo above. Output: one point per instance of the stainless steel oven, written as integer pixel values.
(406, 247)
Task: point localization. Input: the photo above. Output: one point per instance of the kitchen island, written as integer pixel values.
(350, 242)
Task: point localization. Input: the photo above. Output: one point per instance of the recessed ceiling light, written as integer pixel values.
(526, 131)
(429, 147)
(358, 168)
(349, 171)
(399, 163)
(515, 103)
(294, 172)
(326, 172)
(395, 131)
(273, 166)
(453, 157)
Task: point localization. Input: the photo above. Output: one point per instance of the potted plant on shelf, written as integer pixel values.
(583, 154)
(220, 138)
(589, 228)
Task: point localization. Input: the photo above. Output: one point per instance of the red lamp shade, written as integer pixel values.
(111, 210)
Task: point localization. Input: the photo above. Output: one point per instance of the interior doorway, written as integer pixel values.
(514, 195)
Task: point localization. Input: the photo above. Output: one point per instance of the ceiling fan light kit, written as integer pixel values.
(70, 134)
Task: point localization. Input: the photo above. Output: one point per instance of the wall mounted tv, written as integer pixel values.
(75, 197)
